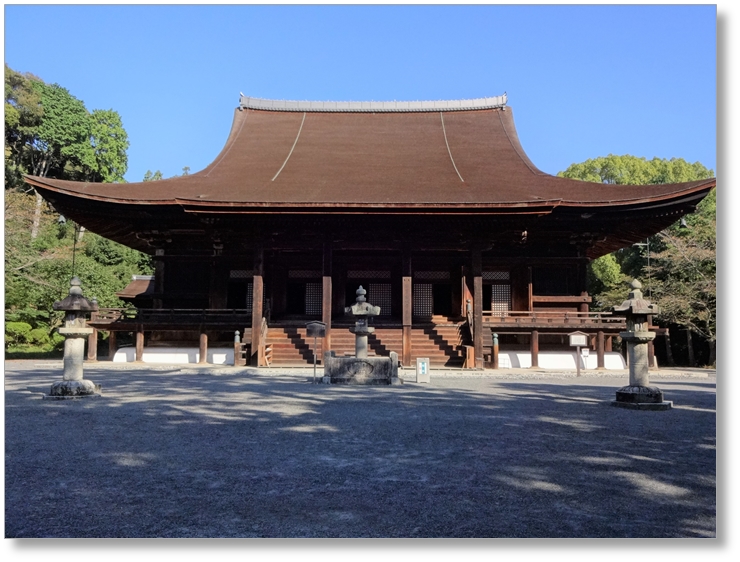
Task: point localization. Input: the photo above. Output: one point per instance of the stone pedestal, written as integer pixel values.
(361, 330)
(638, 394)
(355, 370)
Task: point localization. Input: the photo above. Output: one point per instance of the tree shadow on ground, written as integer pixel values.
(178, 454)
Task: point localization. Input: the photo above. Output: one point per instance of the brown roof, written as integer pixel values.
(139, 287)
(278, 159)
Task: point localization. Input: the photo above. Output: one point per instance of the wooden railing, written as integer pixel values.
(523, 318)
(203, 316)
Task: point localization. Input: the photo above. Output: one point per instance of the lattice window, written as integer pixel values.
(432, 275)
(379, 294)
(500, 298)
(313, 299)
(355, 274)
(423, 299)
(304, 273)
(496, 276)
(250, 287)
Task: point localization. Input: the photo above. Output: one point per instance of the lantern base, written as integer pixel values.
(641, 398)
(65, 390)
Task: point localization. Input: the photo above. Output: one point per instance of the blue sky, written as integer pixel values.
(583, 81)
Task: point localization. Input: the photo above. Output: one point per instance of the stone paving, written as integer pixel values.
(189, 451)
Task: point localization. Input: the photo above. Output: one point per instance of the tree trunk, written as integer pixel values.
(712, 353)
(36, 216)
(41, 170)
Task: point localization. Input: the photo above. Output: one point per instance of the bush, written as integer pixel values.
(39, 336)
(17, 332)
(57, 341)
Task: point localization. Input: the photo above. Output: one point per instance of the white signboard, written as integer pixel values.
(422, 369)
(578, 339)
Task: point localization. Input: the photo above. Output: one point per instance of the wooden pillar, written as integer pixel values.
(326, 297)
(407, 311)
(534, 347)
(140, 344)
(218, 284)
(530, 292)
(92, 346)
(600, 350)
(158, 280)
(608, 346)
(583, 307)
(203, 348)
(111, 345)
(258, 292)
(477, 270)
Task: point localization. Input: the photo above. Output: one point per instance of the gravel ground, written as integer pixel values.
(241, 452)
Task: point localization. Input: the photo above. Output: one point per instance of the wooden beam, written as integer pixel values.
(534, 347)
(258, 293)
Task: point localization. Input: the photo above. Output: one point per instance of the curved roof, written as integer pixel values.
(430, 155)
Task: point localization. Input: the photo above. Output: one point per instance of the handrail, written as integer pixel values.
(524, 316)
(262, 357)
(469, 316)
(174, 314)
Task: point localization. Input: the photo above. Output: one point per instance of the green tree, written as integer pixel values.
(682, 268)
(49, 132)
(149, 176)
(109, 142)
(23, 113)
(684, 274)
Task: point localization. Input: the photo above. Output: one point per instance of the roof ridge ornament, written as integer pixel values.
(372, 106)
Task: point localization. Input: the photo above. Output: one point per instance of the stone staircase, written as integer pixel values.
(441, 343)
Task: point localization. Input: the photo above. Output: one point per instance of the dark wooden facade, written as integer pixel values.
(434, 209)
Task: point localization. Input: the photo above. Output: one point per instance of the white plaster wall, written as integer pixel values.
(558, 360)
(175, 355)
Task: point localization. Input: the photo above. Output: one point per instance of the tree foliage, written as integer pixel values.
(681, 277)
(49, 132)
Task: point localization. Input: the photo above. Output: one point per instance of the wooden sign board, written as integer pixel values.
(316, 330)
(578, 339)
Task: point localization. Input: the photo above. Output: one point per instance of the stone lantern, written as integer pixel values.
(638, 394)
(361, 369)
(75, 332)
(362, 310)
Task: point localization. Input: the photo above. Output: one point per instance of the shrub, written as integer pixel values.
(39, 336)
(17, 332)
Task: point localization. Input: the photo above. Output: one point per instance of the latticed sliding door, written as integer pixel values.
(500, 283)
